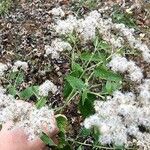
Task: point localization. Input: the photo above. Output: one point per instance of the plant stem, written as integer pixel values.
(97, 95)
(90, 145)
(94, 86)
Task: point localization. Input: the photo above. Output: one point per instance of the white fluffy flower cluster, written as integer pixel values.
(3, 67)
(56, 47)
(20, 64)
(135, 43)
(86, 29)
(121, 64)
(105, 27)
(46, 87)
(121, 120)
(57, 12)
(145, 92)
(66, 26)
(24, 115)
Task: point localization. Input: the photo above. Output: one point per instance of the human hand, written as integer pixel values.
(17, 140)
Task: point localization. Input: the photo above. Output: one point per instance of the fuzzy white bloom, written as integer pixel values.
(134, 43)
(20, 64)
(118, 63)
(121, 64)
(2, 90)
(46, 87)
(3, 67)
(91, 121)
(146, 56)
(24, 115)
(56, 47)
(121, 116)
(105, 26)
(57, 12)
(66, 26)
(144, 96)
(87, 27)
(143, 141)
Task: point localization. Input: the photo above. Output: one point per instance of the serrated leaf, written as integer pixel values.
(76, 70)
(86, 56)
(12, 90)
(88, 108)
(47, 140)
(19, 78)
(84, 96)
(76, 83)
(111, 86)
(85, 132)
(28, 92)
(77, 67)
(63, 143)
(62, 122)
(105, 73)
(67, 89)
(41, 102)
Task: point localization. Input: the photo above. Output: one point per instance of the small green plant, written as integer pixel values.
(122, 17)
(82, 78)
(15, 80)
(5, 6)
(89, 78)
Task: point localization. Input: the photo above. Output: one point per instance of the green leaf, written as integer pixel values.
(106, 74)
(62, 122)
(124, 18)
(67, 89)
(108, 87)
(86, 56)
(96, 134)
(80, 147)
(66, 147)
(47, 140)
(41, 102)
(88, 108)
(12, 90)
(85, 132)
(84, 96)
(103, 45)
(13, 75)
(62, 141)
(77, 67)
(111, 86)
(5, 6)
(28, 92)
(19, 78)
(76, 83)
(76, 70)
